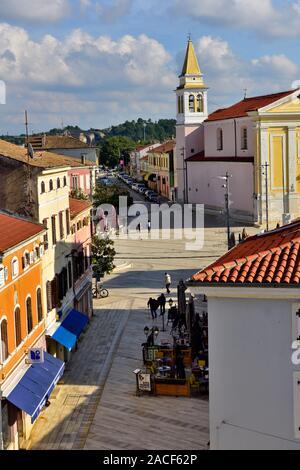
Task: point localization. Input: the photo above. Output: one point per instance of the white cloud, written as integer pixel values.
(111, 13)
(265, 16)
(83, 77)
(228, 75)
(34, 10)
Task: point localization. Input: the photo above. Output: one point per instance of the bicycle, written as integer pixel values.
(100, 292)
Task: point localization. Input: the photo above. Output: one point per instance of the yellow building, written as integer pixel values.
(161, 169)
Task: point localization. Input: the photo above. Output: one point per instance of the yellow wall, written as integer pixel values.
(278, 159)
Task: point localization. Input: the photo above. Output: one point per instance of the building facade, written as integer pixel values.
(22, 326)
(161, 169)
(254, 141)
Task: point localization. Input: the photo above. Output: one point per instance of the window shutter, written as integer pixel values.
(2, 277)
(23, 262)
(6, 273)
(31, 258)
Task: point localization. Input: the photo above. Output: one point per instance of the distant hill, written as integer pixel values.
(160, 131)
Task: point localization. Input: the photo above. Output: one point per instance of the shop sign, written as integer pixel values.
(35, 356)
(144, 382)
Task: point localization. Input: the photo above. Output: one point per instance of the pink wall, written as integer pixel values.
(206, 188)
(210, 135)
(83, 177)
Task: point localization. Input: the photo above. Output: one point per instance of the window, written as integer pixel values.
(43, 188)
(83, 159)
(65, 181)
(49, 295)
(192, 103)
(182, 104)
(199, 103)
(58, 183)
(74, 182)
(61, 226)
(15, 267)
(45, 223)
(26, 259)
(179, 104)
(53, 226)
(79, 225)
(18, 331)
(68, 221)
(29, 315)
(244, 136)
(2, 276)
(39, 304)
(4, 341)
(50, 185)
(219, 139)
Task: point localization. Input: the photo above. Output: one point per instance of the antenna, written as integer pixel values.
(245, 93)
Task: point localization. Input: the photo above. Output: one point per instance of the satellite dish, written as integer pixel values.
(30, 151)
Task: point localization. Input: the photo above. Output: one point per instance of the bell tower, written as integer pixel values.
(192, 110)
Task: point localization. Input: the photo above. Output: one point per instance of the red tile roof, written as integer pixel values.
(14, 230)
(165, 147)
(242, 108)
(265, 259)
(77, 206)
(200, 157)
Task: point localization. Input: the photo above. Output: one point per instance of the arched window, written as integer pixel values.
(192, 103)
(4, 341)
(15, 267)
(65, 181)
(219, 139)
(39, 304)
(18, 331)
(58, 183)
(244, 138)
(43, 188)
(50, 185)
(29, 315)
(199, 103)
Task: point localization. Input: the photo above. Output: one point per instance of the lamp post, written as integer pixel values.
(226, 187)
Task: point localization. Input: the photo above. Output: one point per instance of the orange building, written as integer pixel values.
(22, 326)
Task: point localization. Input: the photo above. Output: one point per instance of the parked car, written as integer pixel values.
(143, 190)
(149, 192)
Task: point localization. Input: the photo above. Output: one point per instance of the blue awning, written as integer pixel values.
(70, 329)
(35, 387)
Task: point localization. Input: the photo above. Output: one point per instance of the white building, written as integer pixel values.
(253, 319)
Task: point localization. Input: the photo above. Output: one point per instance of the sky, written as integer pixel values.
(96, 63)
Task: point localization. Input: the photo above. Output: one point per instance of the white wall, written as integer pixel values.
(229, 150)
(206, 188)
(251, 374)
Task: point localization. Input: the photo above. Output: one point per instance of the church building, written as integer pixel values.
(255, 141)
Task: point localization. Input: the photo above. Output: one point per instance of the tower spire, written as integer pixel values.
(191, 65)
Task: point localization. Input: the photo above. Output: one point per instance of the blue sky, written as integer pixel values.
(99, 62)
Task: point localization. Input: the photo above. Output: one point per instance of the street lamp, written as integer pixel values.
(146, 331)
(226, 187)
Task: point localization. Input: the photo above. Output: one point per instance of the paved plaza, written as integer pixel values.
(95, 406)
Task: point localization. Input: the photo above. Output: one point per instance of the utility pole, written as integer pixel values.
(226, 187)
(265, 167)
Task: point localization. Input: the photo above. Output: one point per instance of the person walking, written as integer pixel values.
(153, 305)
(149, 225)
(162, 303)
(168, 282)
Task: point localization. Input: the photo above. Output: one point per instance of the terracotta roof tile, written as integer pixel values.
(77, 206)
(41, 159)
(14, 230)
(242, 108)
(269, 258)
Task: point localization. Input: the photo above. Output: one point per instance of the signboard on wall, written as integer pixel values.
(35, 356)
(144, 382)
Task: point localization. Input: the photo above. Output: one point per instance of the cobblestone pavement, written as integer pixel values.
(95, 406)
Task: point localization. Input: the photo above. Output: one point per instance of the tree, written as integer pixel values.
(110, 195)
(103, 254)
(112, 149)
